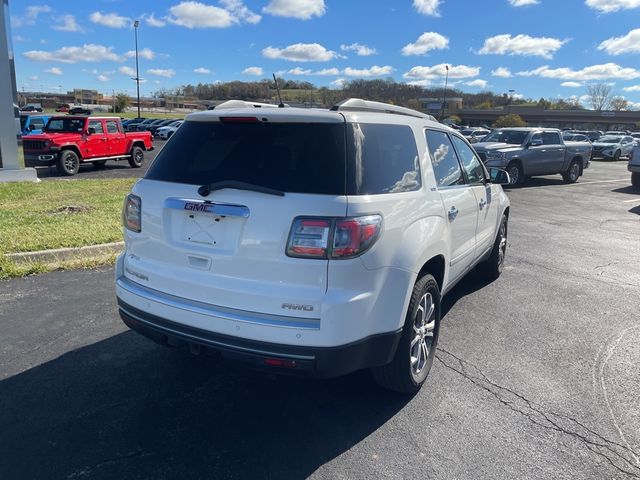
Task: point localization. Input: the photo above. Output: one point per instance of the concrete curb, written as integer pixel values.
(65, 254)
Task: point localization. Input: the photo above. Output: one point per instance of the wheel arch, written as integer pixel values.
(138, 143)
(436, 267)
(73, 148)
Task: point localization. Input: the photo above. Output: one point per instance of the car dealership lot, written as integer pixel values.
(536, 375)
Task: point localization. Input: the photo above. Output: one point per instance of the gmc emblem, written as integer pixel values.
(296, 306)
(198, 207)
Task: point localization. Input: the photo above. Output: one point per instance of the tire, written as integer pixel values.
(99, 164)
(635, 179)
(68, 163)
(169, 135)
(573, 172)
(137, 157)
(514, 169)
(416, 350)
(616, 156)
(492, 267)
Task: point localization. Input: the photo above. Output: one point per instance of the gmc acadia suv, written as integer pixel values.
(310, 241)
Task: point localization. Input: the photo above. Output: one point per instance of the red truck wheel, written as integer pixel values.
(68, 163)
(137, 157)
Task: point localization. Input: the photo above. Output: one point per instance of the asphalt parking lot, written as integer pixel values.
(536, 374)
(112, 169)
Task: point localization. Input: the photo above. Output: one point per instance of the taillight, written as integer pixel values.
(353, 236)
(335, 238)
(132, 213)
(309, 238)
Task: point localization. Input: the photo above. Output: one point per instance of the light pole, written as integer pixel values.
(136, 24)
(444, 96)
(511, 92)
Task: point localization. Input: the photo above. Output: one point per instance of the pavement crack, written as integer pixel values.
(621, 457)
(84, 471)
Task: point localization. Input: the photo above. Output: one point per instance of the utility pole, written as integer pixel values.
(136, 24)
(113, 99)
(444, 96)
(511, 92)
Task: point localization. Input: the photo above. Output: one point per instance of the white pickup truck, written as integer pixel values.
(527, 152)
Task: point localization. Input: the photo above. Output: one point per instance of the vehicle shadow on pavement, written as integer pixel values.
(126, 408)
(536, 182)
(631, 190)
(472, 282)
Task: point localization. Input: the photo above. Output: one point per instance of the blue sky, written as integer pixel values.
(550, 48)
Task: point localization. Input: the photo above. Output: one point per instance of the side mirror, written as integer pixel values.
(91, 131)
(499, 176)
(536, 142)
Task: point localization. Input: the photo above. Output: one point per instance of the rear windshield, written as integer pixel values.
(318, 158)
(291, 157)
(65, 125)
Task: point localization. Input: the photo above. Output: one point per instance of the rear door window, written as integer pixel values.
(382, 159)
(291, 157)
(446, 166)
(551, 138)
(112, 126)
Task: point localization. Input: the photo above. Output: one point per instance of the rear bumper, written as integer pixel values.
(323, 362)
(634, 168)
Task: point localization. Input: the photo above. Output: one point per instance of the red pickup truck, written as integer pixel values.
(67, 141)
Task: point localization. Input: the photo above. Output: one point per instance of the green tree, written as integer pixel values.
(455, 119)
(510, 120)
(122, 102)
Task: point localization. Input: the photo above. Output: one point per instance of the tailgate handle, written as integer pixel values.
(199, 206)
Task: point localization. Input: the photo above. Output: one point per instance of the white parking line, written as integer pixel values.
(600, 181)
(632, 200)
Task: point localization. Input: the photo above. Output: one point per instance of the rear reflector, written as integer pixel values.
(279, 362)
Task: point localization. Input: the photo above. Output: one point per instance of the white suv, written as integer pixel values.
(310, 241)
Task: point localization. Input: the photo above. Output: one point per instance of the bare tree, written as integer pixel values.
(619, 103)
(599, 96)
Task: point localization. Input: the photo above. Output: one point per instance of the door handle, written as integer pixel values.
(482, 204)
(453, 213)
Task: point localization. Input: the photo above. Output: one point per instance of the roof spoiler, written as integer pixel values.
(359, 105)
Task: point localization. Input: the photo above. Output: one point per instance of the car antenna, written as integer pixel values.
(280, 105)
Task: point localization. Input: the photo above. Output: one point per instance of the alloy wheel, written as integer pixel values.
(424, 324)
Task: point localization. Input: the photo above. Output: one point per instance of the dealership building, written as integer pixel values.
(537, 116)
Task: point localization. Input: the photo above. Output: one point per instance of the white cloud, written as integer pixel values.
(145, 53)
(300, 52)
(374, 71)
(477, 83)
(521, 45)
(633, 88)
(67, 23)
(426, 42)
(572, 84)
(608, 6)
(30, 16)
(111, 20)
(502, 72)
(257, 71)
(328, 72)
(523, 3)
(85, 53)
(300, 9)
(160, 72)
(593, 72)
(629, 43)
(299, 71)
(339, 83)
(152, 21)
(198, 15)
(33, 78)
(102, 78)
(428, 73)
(202, 71)
(420, 83)
(127, 71)
(241, 12)
(361, 50)
(54, 71)
(427, 7)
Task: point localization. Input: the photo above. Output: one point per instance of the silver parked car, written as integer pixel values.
(612, 147)
(474, 135)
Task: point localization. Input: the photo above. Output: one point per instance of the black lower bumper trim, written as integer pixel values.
(324, 362)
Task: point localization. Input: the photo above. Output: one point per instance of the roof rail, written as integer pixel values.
(243, 104)
(359, 105)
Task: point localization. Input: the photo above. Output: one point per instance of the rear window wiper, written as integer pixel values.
(205, 190)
